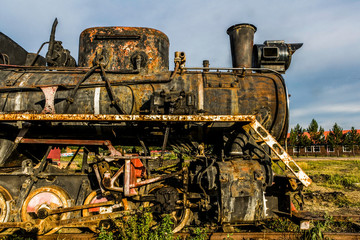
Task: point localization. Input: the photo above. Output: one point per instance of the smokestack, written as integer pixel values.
(241, 42)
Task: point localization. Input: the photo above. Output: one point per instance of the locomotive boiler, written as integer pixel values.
(216, 132)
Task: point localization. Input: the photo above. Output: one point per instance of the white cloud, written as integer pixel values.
(326, 109)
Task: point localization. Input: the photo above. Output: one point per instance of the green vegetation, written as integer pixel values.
(337, 181)
(316, 233)
(16, 237)
(282, 225)
(330, 167)
(139, 227)
(329, 225)
(199, 234)
(142, 226)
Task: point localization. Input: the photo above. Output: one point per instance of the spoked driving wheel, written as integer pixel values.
(172, 201)
(97, 197)
(40, 202)
(5, 197)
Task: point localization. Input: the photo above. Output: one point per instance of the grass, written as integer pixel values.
(282, 225)
(336, 183)
(337, 174)
(330, 173)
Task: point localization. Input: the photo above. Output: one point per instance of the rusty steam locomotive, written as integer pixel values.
(119, 103)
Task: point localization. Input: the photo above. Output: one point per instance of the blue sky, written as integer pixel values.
(323, 80)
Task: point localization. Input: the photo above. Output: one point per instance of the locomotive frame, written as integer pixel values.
(221, 132)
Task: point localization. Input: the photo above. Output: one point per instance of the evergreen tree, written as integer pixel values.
(316, 134)
(296, 134)
(321, 137)
(352, 139)
(335, 137)
(297, 137)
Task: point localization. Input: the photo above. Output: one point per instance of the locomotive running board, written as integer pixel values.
(124, 118)
(251, 119)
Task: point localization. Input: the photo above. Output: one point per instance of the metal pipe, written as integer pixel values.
(98, 177)
(234, 69)
(116, 175)
(156, 179)
(127, 177)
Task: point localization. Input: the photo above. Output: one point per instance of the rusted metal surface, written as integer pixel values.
(141, 49)
(87, 206)
(125, 118)
(65, 141)
(124, 94)
(223, 94)
(213, 93)
(241, 185)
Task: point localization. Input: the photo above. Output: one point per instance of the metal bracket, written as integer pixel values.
(49, 93)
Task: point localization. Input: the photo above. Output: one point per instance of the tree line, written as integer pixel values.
(316, 136)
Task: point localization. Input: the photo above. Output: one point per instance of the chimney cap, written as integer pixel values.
(241, 25)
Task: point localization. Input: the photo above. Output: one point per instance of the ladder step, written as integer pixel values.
(280, 152)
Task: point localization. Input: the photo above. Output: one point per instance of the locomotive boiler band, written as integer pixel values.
(223, 126)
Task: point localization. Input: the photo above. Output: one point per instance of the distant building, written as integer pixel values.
(323, 149)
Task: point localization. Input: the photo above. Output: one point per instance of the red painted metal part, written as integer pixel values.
(134, 171)
(55, 155)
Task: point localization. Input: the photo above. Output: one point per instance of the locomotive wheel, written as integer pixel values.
(4, 209)
(39, 201)
(97, 197)
(181, 217)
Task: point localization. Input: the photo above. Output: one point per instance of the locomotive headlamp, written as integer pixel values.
(275, 55)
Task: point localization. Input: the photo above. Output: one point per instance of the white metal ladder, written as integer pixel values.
(280, 152)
